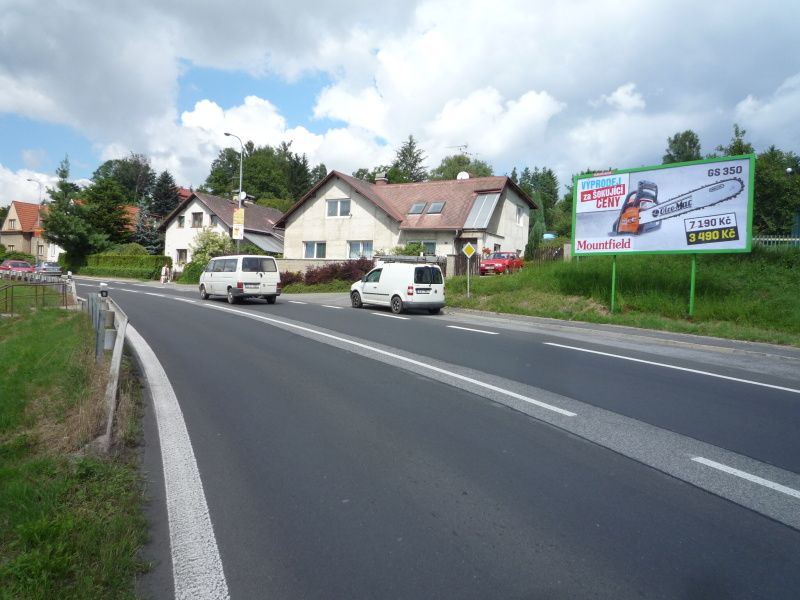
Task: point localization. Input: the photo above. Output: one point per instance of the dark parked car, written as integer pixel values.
(16, 266)
(48, 268)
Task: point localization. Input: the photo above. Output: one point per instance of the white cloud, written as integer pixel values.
(779, 115)
(15, 185)
(624, 98)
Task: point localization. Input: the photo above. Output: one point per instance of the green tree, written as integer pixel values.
(318, 173)
(133, 174)
(65, 190)
(3, 213)
(165, 195)
(408, 163)
(777, 193)
(208, 244)
(66, 224)
(736, 146)
(682, 147)
(451, 166)
(106, 210)
(146, 234)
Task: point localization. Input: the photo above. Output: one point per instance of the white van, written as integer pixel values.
(401, 284)
(241, 276)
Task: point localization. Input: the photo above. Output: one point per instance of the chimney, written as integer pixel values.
(381, 179)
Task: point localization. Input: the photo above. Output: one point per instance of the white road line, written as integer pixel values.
(196, 564)
(401, 358)
(156, 295)
(475, 330)
(666, 366)
(336, 307)
(184, 300)
(379, 314)
(296, 302)
(744, 475)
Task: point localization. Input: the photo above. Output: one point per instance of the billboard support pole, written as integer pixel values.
(613, 281)
(692, 284)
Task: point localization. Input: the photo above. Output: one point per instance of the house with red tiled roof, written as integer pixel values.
(198, 211)
(344, 217)
(21, 231)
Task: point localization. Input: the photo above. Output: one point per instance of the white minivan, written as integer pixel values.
(401, 284)
(241, 276)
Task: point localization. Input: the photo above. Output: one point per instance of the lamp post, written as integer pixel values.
(241, 159)
(39, 183)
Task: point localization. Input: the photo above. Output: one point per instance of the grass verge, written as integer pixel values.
(754, 297)
(70, 525)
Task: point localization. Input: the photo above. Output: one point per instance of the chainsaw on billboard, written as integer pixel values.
(641, 212)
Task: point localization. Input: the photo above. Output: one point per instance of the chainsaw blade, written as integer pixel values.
(702, 197)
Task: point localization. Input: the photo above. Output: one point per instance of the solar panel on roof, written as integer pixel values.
(481, 211)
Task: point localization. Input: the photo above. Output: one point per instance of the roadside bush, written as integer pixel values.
(132, 249)
(208, 244)
(290, 277)
(191, 272)
(125, 272)
(14, 255)
(350, 270)
(2, 251)
(116, 265)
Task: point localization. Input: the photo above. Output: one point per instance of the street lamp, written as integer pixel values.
(241, 157)
(39, 183)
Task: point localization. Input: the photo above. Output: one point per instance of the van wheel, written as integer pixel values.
(270, 299)
(397, 305)
(203, 293)
(231, 297)
(355, 300)
(434, 311)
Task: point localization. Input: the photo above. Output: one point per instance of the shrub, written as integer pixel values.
(290, 277)
(350, 270)
(116, 265)
(128, 250)
(208, 244)
(14, 255)
(191, 272)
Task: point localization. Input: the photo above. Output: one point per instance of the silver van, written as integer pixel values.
(241, 276)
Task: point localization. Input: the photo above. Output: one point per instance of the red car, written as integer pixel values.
(501, 262)
(17, 266)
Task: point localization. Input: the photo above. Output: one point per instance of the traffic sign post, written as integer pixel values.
(468, 251)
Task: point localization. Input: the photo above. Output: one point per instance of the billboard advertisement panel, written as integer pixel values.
(694, 207)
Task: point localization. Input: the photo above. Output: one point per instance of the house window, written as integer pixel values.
(12, 223)
(359, 248)
(181, 256)
(197, 219)
(436, 208)
(10, 247)
(314, 250)
(181, 221)
(428, 248)
(520, 215)
(417, 208)
(339, 208)
(39, 250)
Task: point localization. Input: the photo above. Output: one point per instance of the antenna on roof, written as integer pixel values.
(462, 149)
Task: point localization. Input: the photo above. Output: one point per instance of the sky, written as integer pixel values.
(568, 85)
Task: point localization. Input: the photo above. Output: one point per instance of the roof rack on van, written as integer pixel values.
(407, 259)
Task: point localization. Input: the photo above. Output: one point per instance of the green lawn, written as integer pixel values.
(752, 296)
(70, 526)
(16, 296)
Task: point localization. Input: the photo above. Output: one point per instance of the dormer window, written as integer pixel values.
(417, 208)
(436, 208)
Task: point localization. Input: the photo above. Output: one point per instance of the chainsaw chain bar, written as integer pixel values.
(686, 212)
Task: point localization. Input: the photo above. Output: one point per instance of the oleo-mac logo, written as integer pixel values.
(678, 206)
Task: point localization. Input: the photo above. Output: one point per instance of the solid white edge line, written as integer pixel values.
(154, 294)
(475, 330)
(399, 357)
(296, 302)
(378, 314)
(196, 564)
(744, 475)
(686, 369)
(336, 307)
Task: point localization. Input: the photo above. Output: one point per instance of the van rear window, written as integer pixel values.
(427, 275)
(257, 264)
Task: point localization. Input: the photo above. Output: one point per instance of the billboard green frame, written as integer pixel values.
(750, 189)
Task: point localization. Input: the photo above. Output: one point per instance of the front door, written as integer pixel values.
(371, 289)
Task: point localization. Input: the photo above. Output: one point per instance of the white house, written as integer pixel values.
(200, 211)
(344, 217)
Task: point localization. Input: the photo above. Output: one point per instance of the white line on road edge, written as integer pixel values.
(754, 478)
(154, 294)
(657, 364)
(378, 314)
(196, 564)
(399, 357)
(475, 330)
(185, 300)
(296, 302)
(336, 307)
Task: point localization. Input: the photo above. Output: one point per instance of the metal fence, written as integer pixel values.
(17, 295)
(777, 241)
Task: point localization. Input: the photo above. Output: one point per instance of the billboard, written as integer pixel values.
(692, 207)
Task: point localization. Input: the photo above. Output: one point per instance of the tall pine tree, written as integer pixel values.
(165, 195)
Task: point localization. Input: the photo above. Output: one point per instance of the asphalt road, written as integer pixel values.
(349, 454)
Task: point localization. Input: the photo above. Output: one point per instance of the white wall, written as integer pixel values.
(182, 238)
(514, 236)
(311, 223)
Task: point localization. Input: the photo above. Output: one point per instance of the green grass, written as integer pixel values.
(337, 285)
(19, 296)
(69, 527)
(752, 297)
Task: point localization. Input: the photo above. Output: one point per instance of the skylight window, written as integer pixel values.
(435, 208)
(417, 208)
